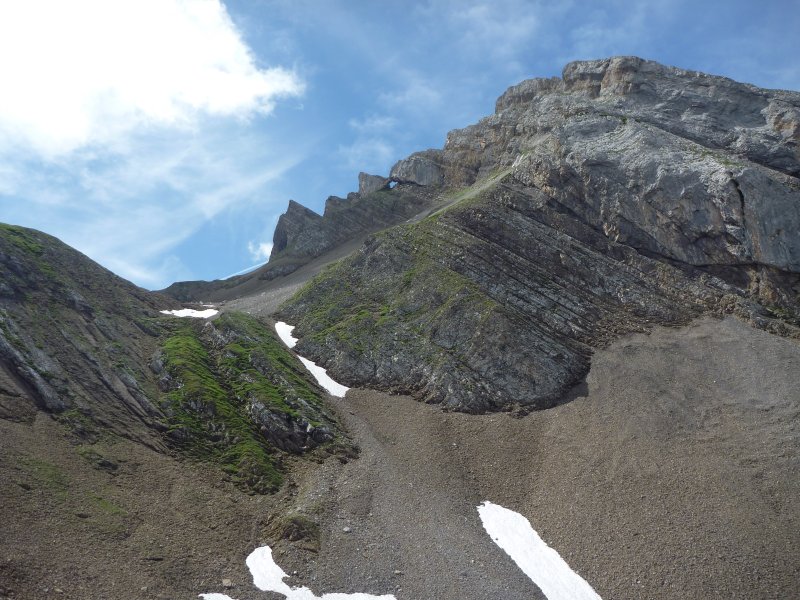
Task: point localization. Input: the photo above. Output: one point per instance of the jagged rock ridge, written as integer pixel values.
(302, 235)
(624, 194)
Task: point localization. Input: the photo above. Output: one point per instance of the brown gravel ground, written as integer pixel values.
(674, 473)
(156, 527)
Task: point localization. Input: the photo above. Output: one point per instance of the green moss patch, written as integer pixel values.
(217, 378)
(21, 238)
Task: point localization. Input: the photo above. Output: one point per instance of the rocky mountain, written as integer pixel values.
(95, 351)
(605, 274)
(102, 395)
(623, 195)
(302, 235)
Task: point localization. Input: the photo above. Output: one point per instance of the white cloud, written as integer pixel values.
(372, 149)
(499, 29)
(373, 124)
(415, 94)
(370, 154)
(259, 251)
(86, 72)
(127, 126)
(129, 212)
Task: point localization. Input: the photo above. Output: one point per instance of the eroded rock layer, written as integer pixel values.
(624, 194)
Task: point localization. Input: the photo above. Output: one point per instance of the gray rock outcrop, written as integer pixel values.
(295, 231)
(695, 167)
(623, 194)
(421, 168)
(371, 183)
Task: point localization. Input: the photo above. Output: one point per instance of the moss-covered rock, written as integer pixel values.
(233, 394)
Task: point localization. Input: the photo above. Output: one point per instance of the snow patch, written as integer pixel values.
(284, 331)
(322, 377)
(190, 312)
(268, 577)
(514, 534)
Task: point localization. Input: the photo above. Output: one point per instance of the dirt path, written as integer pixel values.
(676, 476)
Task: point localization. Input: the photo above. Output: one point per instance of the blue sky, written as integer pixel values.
(163, 138)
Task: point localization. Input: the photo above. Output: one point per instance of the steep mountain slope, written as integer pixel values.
(114, 416)
(672, 474)
(75, 339)
(622, 195)
(530, 263)
(92, 349)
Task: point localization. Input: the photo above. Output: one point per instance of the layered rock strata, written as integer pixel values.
(624, 194)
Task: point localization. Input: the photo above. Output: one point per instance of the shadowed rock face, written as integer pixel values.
(297, 226)
(370, 183)
(74, 338)
(624, 194)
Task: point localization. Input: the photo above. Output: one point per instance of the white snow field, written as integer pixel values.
(190, 312)
(268, 577)
(514, 534)
(284, 331)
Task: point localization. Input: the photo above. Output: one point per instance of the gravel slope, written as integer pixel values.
(674, 474)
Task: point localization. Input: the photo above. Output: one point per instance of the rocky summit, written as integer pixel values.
(595, 293)
(622, 195)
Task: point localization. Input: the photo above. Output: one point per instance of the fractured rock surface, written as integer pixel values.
(624, 194)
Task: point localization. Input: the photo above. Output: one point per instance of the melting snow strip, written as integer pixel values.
(190, 312)
(268, 577)
(284, 331)
(514, 534)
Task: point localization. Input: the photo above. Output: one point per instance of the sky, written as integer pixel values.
(164, 138)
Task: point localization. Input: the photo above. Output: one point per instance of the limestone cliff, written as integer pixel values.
(623, 194)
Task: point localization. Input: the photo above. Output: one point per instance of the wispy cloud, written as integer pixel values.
(124, 126)
(130, 211)
(260, 251)
(372, 149)
(496, 30)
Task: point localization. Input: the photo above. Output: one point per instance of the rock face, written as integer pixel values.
(624, 194)
(302, 235)
(696, 168)
(421, 168)
(74, 338)
(370, 183)
(299, 227)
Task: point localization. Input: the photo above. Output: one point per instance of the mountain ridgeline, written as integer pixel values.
(622, 195)
(94, 351)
